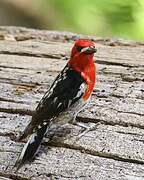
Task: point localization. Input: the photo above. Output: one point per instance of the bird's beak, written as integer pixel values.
(89, 50)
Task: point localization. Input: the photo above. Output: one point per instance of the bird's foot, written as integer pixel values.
(87, 128)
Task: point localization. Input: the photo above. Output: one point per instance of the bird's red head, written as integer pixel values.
(82, 61)
(82, 53)
(83, 47)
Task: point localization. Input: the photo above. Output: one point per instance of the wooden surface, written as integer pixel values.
(29, 62)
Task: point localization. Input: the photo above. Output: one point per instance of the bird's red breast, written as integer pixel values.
(82, 61)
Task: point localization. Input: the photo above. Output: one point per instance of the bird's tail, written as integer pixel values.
(31, 147)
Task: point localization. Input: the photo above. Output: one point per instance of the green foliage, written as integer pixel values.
(99, 17)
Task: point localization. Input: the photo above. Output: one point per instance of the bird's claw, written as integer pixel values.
(90, 127)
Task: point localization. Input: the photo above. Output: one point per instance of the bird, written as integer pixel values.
(67, 96)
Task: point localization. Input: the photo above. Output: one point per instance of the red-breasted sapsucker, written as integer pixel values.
(68, 94)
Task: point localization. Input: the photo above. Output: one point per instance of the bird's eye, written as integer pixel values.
(79, 48)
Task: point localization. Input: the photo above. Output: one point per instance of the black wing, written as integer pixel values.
(65, 91)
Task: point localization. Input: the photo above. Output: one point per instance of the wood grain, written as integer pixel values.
(29, 62)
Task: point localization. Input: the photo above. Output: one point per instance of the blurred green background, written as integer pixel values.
(105, 18)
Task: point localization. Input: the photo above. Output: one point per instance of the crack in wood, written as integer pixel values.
(12, 100)
(128, 112)
(32, 54)
(17, 111)
(133, 134)
(19, 83)
(13, 176)
(117, 63)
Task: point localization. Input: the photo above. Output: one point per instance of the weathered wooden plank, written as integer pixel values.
(43, 65)
(36, 49)
(67, 163)
(111, 141)
(107, 55)
(22, 34)
(130, 79)
(108, 85)
(29, 62)
(12, 123)
(109, 110)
